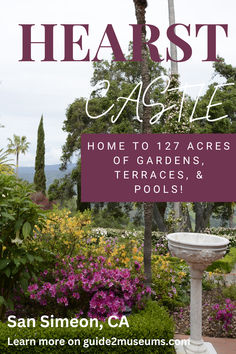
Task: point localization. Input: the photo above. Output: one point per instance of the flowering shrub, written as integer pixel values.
(230, 292)
(223, 314)
(111, 252)
(160, 243)
(63, 234)
(170, 281)
(228, 233)
(120, 233)
(123, 248)
(117, 253)
(18, 218)
(40, 199)
(89, 286)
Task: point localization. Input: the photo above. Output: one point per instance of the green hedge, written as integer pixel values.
(225, 264)
(151, 323)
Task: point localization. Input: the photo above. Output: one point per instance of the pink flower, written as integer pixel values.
(62, 300)
(77, 315)
(137, 265)
(76, 295)
(108, 290)
(32, 287)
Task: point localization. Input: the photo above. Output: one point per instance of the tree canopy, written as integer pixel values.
(123, 78)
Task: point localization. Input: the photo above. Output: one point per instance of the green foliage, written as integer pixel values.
(62, 235)
(170, 119)
(5, 165)
(18, 218)
(153, 322)
(220, 126)
(39, 176)
(225, 95)
(123, 77)
(170, 281)
(61, 189)
(223, 211)
(208, 283)
(228, 93)
(225, 70)
(230, 292)
(17, 144)
(224, 265)
(112, 214)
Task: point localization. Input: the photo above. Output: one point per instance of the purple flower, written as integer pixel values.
(32, 287)
(108, 290)
(223, 313)
(137, 265)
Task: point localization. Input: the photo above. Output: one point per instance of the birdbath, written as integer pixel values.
(199, 251)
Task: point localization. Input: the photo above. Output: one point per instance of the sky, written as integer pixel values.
(30, 89)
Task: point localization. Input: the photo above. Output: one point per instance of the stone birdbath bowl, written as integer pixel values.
(199, 251)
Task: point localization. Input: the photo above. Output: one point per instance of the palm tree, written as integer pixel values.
(5, 163)
(16, 146)
(3, 157)
(140, 12)
(174, 71)
(173, 48)
(179, 211)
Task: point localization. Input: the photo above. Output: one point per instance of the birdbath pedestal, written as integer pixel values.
(199, 251)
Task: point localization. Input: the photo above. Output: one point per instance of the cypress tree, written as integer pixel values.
(39, 175)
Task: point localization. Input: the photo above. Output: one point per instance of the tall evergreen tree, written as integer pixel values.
(39, 175)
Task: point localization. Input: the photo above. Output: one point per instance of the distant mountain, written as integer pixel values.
(52, 172)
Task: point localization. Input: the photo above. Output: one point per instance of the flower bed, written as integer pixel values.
(89, 287)
(216, 313)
